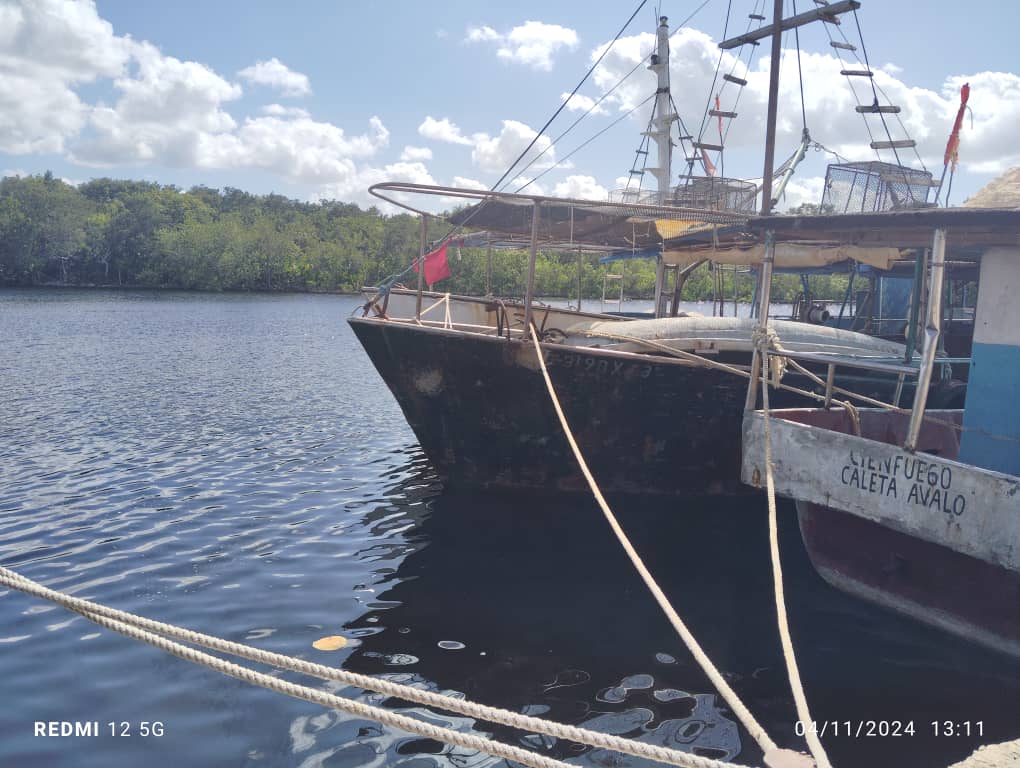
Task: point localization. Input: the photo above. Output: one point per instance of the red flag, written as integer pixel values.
(436, 267)
(707, 162)
(718, 108)
(953, 146)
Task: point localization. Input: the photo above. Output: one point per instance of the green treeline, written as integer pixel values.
(109, 232)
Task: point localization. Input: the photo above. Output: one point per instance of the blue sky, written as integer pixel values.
(319, 99)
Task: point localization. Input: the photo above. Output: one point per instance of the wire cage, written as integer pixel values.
(702, 192)
(874, 186)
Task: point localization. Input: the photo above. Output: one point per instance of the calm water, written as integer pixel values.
(233, 464)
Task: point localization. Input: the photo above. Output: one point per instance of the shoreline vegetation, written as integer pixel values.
(109, 233)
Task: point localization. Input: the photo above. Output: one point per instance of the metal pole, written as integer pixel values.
(830, 377)
(488, 271)
(529, 295)
(580, 269)
(920, 263)
(770, 124)
(931, 337)
(421, 266)
(764, 294)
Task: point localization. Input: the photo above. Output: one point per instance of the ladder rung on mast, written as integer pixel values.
(733, 79)
(901, 144)
(709, 147)
(721, 113)
(843, 46)
(857, 72)
(875, 109)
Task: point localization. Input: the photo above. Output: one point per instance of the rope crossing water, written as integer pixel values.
(163, 636)
(774, 756)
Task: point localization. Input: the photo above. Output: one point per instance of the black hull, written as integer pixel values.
(480, 409)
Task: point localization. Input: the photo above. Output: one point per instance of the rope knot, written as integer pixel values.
(766, 338)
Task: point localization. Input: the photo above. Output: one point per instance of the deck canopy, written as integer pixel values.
(969, 231)
(564, 223)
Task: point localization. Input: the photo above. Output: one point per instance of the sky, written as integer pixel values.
(320, 99)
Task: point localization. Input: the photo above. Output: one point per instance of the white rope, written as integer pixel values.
(155, 633)
(792, 671)
(743, 714)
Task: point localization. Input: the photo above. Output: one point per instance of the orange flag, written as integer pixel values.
(953, 146)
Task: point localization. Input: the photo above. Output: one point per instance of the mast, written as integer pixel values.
(659, 133)
(664, 115)
(770, 123)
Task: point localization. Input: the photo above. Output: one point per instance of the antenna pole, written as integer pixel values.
(770, 129)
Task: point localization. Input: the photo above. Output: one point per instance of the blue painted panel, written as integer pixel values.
(993, 407)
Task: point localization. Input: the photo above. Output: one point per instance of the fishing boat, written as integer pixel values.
(918, 510)
(657, 404)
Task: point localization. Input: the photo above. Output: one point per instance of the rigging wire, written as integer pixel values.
(800, 72)
(573, 93)
(601, 98)
(577, 149)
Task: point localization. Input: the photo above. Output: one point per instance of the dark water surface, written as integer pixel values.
(233, 464)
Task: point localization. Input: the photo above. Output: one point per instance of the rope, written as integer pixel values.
(566, 101)
(792, 671)
(157, 633)
(729, 695)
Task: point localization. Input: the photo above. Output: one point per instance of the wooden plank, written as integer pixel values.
(733, 79)
(826, 13)
(901, 144)
(857, 72)
(721, 113)
(756, 16)
(843, 46)
(709, 147)
(968, 509)
(874, 109)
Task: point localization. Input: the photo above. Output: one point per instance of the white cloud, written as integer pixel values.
(530, 187)
(442, 130)
(482, 34)
(416, 153)
(581, 103)
(800, 191)
(581, 188)
(354, 188)
(494, 154)
(532, 43)
(462, 181)
(300, 149)
(164, 113)
(275, 74)
(47, 48)
(278, 110)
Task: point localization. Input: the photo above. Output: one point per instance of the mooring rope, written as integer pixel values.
(159, 635)
(792, 671)
(753, 727)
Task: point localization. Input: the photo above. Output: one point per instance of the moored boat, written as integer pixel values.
(919, 510)
(657, 404)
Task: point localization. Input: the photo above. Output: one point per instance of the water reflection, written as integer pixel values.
(529, 605)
